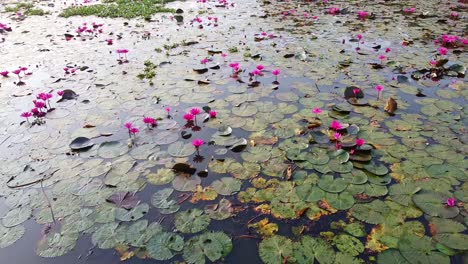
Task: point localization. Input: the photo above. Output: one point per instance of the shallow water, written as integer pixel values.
(307, 50)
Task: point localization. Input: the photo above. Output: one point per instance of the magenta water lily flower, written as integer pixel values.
(204, 61)
(359, 36)
(337, 136)
(195, 111)
(197, 143)
(335, 125)
(356, 91)
(442, 51)
(276, 73)
(149, 121)
(334, 10)
(17, 71)
(39, 104)
(450, 202)
(409, 10)
(188, 117)
(387, 50)
(212, 114)
(60, 93)
(260, 67)
(124, 52)
(379, 89)
(109, 41)
(360, 142)
(128, 125)
(4, 73)
(224, 55)
(454, 15)
(362, 15)
(134, 130)
(26, 115)
(316, 111)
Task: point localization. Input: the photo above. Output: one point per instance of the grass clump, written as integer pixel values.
(27, 8)
(120, 8)
(149, 72)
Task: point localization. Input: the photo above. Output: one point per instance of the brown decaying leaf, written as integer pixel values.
(432, 229)
(390, 106)
(372, 244)
(263, 141)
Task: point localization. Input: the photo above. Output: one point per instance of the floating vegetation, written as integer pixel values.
(273, 132)
(120, 8)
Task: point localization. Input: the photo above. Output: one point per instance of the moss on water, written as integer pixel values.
(120, 8)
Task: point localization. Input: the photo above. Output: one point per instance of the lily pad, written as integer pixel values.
(432, 203)
(227, 185)
(274, 249)
(180, 150)
(133, 214)
(191, 221)
(81, 143)
(9, 236)
(211, 245)
(161, 177)
(163, 245)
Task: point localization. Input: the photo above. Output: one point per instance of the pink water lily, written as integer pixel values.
(149, 121)
(39, 104)
(337, 137)
(198, 143)
(109, 41)
(26, 115)
(188, 117)
(128, 125)
(360, 142)
(387, 50)
(224, 55)
(454, 15)
(195, 111)
(4, 73)
(334, 10)
(442, 51)
(260, 67)
(362, 15)
(212, 114)
(276, 72)
(204, 61)
(356, 91)
(450, 202)
(316, 111)
(134, 131)
(60, 93)
(335, 125)
(379, 89)
(382, 58)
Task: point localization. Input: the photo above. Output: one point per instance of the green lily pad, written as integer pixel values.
(112, 149)
(273, 250)
(330, 184)
(56, 244)
(227, 185)
(107, 236)
(374, 212)
(184, 183)
(162, 245)
(453, 240)
(8, 236)
(432, 203)
(16, 216)
(133, 214)
(191, 221)
(180, 149)
(403, 193)
(379, 170)
(420, 250)
(222, 210)
(391, 256)
(212, 245)
(348, 244)
(161, 177)
(340, 201)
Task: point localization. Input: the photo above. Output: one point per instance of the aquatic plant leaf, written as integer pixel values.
(227, 185)
(273, 250)
(133, 214)
(420, 250)
(162, 245)
(355, 229)
(330, 184)
(403, 193)
(379, 170)
(443, 225)
(211, 245)
(340, 201)
(264, 227)
(222, 210)
(124, 200)
(191, 221)
(165, 137)
(81, 143)
(180, 150)
(56, 244)
(16, 216)
(203, 194)
(183, 183)
(107, 236)
(161, 177)
(8, 236)
(391, 256)
(348, 244)
(453, 240)
(432, 203)
(373, 213)
(112, 149)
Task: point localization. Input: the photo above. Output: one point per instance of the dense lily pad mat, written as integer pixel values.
(274, 132)
(119, 8)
